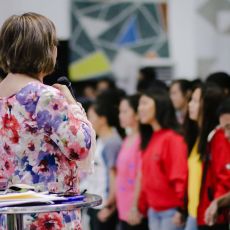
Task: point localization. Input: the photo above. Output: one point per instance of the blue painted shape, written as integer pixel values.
(129, 34)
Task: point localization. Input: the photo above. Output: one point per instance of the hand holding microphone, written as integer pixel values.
(64, 85)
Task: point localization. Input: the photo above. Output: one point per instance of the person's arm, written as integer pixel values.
(110, 203)
(64, 121)
(137, 190)
(134, 216)
(142, 202)
(110, 152)
(220, 155)
(175, 164)
(112, 189)
(223, 201)
(212, 211)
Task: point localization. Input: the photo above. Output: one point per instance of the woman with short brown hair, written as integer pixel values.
(28, 45)
(44, 132)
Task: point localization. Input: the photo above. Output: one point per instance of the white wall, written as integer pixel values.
(212, 36)
(56, 10)
(182, 37)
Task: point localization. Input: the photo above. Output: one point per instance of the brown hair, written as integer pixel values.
(27, 44)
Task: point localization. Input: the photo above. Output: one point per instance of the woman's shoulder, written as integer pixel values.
(172, 134)
(35, 95)
(37, 89)
(219, 144)
(114, 139)
(217, 135)
(174, 138)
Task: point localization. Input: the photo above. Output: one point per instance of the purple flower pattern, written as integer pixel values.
(47, 139)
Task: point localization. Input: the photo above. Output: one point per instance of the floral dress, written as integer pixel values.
(42, 141)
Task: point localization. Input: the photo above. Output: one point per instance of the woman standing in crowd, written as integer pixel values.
(180, 93)
(128, 166)
(224, 119)
(209, 156)
(104, 117)
(164, 163)
(44, 131)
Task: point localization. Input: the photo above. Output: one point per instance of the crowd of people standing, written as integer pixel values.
(165, 159)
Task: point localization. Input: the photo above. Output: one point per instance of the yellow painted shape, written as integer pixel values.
(91, 66)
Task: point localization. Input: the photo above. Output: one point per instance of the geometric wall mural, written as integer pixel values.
(100, 30)
(213, 36)
(211, 9)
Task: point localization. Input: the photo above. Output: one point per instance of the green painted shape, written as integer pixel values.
(152, 10)
(145, 29)
(112, 33)
(115, 9)
(164, 50)
(82, 40)
(94, 14)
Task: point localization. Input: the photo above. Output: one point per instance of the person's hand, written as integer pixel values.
(104, 214)
(178, 219)
(134, 217)
(65, 91)
(211, 213)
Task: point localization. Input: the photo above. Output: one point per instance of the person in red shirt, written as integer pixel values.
(214, 155)
(223, 201)
(164, 165)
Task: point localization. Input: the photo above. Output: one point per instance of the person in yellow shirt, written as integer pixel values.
(206, 144)
(194, 184)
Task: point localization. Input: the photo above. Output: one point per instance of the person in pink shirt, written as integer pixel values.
(128, 165)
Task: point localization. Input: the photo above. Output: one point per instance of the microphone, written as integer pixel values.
(65, 81)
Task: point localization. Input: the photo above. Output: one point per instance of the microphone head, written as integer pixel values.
(64, 81)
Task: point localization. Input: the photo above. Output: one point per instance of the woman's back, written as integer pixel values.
(35, 145)
(44, 132)
(41, 139)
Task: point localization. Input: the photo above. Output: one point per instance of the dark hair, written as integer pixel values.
(148, 75)
(146, 133)
(184, 85)
(222, 79)
(109, 80)
(144, 85)
(211, 97)
(107, 105)
(165, 114)
(190, 129)
(86, 103)
(133, 101)
(148, 72)
(224, 107)
(27, 44)
(2, 74)
(196, 83)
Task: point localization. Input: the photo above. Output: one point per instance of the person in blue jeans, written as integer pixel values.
(191, 223)
(162, 220)
(164, 163)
